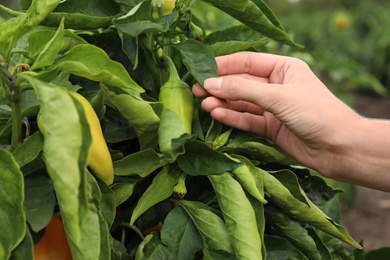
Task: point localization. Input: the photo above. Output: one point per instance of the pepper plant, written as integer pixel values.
(185, 186)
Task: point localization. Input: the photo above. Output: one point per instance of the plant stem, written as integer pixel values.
(16, 139)
(13, 94)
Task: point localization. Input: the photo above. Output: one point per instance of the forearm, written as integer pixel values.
(364, 158)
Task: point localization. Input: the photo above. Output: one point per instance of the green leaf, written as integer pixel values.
(307, 212)
(259, 149)
(250, 178)
(225, 48)
(222, 139)
(238, 5)
(160, 189)
(290, 181)
(281, 248)
(104, 201)
(293, 231)
(210, 226)
(139, 113)
(122, 191)
(239, 216)
(141, 163)
(269, 13)
(77, 21)
(23, 250)
(317, 189)
(199, 159)
(180, 234)
(29, 150)
(138, 21)
(198, 59)
(66, 144)
(39, 202)
(13, 219)
(254, 17)
(99, 8)
(83, 15)
(51, 49)
(16, 27)
(91, 62)
(240, 32)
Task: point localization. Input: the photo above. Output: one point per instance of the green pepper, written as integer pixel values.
(180, 189)
(178, 107)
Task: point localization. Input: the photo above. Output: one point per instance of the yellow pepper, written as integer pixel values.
(99, 158)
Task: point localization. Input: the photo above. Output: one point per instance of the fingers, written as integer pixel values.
(233, 88)
(258, 64)
(210, 103)
(199, 91)
(249, 122)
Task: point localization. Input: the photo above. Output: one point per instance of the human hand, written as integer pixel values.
(280, 98)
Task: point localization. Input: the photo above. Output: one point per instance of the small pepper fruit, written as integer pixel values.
(53, 244)
(178, 108)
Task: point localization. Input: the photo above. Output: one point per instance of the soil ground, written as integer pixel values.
(369, 219)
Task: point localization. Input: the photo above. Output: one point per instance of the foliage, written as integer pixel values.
(217, 192)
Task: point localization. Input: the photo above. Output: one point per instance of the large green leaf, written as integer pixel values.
(138, 21)
(14, 28)
(259, 149)
(140, 114)
(180, 234)
(160, 189)
(256, 19)
(301, 208)
(39, 202)
(23, 250)
(83, 15)
(199, 159)
(29, 150)
(13, 218)
(229, 47)
(198, 59)
(293, 231)
(141, 163)
(239, 216)
(91, 62)
(66, 144)
(238, 5)
(210, 226)
(249, 178)
(51, 49)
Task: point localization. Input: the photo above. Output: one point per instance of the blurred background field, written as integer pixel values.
(347, 44)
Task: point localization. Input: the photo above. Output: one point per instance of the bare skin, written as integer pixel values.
(280, 98)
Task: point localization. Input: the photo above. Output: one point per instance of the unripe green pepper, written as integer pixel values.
(99, 157)
(180, 189)
(178, 108)
(195, 32)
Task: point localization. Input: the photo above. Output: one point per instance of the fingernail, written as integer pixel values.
(213, 83)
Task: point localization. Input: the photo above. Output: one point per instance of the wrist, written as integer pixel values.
(362, 154)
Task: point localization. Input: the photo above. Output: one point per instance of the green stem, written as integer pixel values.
(9, 11)
(16, 139)
(171, 67)
(134, 228)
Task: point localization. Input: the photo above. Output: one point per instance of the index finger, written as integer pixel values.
(264, 65)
